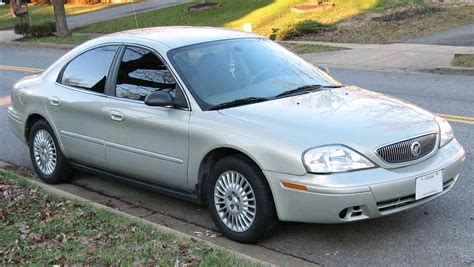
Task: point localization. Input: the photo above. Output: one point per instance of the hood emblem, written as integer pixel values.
(415, 148)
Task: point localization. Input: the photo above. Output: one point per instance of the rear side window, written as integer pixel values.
(89, 70)
(141, 73)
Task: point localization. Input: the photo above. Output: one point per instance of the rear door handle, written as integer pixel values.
(54, 101)
(116, 115)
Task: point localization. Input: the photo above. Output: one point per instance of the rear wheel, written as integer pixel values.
(240, 200)
(48, 161)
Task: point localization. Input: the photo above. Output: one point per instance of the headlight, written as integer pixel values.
(446, 132)
(334, 158)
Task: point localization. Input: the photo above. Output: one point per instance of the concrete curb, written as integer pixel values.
(52, 190)
(38, 45)
(4, 164)
(452, 71)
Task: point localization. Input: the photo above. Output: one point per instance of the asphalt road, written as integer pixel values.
(438, 233)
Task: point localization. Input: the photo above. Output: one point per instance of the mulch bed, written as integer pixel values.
(203, 6)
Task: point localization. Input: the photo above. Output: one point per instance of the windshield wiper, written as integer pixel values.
(239, 102)
(307, 89)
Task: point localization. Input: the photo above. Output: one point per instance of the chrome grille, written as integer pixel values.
(401, 151)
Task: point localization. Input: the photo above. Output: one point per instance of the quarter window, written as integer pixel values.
(89, 70)
(141, 73)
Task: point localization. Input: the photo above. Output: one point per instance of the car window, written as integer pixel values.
(141, 73)
(223, 71)
(89, 70)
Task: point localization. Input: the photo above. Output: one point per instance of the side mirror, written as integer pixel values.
(324, 68)
(159, 99)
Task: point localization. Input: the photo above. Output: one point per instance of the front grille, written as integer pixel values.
(402, 151)
(385, 206)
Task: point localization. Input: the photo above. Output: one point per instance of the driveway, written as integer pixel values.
(118, 12)
(440, 232)
(461, 36)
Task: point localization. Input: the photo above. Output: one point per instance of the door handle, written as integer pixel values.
(54, 101)
(116, 115)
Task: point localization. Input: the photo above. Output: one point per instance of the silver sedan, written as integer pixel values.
(234, 121)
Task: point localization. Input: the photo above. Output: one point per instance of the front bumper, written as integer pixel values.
(357, 195)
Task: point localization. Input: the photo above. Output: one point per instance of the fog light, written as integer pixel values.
(352, 213)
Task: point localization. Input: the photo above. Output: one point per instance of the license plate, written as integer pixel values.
(429, 185)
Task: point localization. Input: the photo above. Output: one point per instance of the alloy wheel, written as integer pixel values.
(44, 151)
(235, 201)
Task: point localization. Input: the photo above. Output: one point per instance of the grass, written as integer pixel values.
(43, 13)
(361, 29)
(347, 21)
(37, 228)
(263, 14)
(311, 48)
(463, 60)
(75, 38)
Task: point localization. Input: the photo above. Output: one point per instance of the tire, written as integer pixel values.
(42, 136)
(242, 230)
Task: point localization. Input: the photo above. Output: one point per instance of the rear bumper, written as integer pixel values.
(17, 124)
(351, 196)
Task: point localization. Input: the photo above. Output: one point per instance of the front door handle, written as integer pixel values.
(54, 101)
(116, 115)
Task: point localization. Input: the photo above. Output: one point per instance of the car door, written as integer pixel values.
(76, 105)
(142, 141)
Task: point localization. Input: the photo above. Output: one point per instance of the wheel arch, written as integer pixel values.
(213, 157)
(32, 119)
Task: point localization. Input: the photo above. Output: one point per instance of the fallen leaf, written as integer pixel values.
(183, 245)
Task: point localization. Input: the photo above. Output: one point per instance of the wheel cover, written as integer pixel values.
(235, 201)
(44, 152)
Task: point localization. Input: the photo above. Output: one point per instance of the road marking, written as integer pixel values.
(448, 117)
(457, 118)
(461, 121)
(26, 69)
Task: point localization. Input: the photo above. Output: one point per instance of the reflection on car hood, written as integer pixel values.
(352, 116)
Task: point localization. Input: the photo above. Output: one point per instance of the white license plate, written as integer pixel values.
(429, 185)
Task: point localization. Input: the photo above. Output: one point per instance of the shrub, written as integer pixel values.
(301, 28)
(42, 29)
(21, 28)
(35, 30)
(274, 33)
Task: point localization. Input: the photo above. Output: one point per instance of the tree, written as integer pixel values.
(60, 15)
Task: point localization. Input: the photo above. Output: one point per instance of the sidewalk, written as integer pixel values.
(8, 35)
(388, 57)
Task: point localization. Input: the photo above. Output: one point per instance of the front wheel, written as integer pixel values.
(240, 200)
(48, 161)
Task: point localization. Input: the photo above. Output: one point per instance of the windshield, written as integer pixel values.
(223, 71)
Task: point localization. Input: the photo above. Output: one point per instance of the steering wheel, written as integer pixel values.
(259, 75)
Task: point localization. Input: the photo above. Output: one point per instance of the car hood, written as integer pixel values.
(358, 118)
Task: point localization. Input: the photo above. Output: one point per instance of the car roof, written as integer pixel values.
(178, 36)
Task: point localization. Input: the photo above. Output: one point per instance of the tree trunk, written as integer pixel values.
(60, 16)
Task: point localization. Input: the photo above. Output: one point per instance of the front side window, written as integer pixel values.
(89, 70)
(141, 73)
(223, 71)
